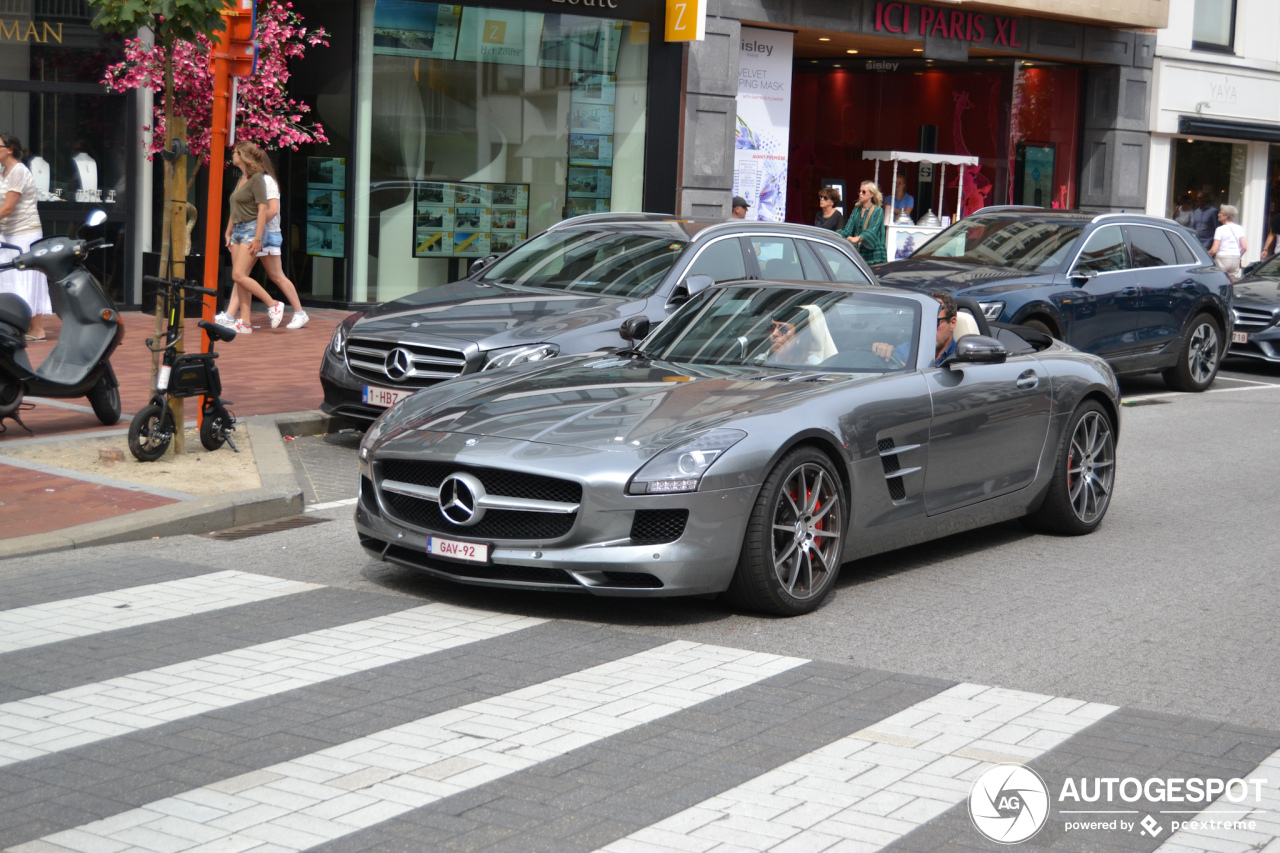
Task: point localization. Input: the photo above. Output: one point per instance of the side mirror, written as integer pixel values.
(634, 329)
(96, 217)
(978, 349)
(1080, 277)
(691, 287)
(479, 264)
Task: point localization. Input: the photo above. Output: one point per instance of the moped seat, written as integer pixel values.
(15, 312)
(221, 333)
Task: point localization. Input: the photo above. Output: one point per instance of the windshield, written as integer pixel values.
(1017, 243)
(791, 328)
(1269, 268)
(612, 263)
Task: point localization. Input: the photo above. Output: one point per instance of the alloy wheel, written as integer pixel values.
(807, 532)
(1202, 352)
(1091, 466)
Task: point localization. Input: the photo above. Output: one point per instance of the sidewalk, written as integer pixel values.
(270, 372)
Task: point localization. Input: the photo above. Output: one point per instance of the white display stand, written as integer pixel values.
(906, 238)
(87, 171)
(40, 172)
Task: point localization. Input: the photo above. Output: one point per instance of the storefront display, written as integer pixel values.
(461, 220)
(763, 123)
(326, 206)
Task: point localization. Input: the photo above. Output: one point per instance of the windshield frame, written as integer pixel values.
(802, 295)
(952, 231)
(557, 245)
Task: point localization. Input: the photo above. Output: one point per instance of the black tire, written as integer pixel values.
(105, 399)
(11, 393)
(1040, 326)
(1199, 356)
(150, 432)
(790, 558)
(213, 431)
(1084, 474)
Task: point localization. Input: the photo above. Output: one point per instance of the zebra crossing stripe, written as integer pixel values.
(329, 794)
(1223, 826)
(880, 783)
(53, 722)
(54, 621)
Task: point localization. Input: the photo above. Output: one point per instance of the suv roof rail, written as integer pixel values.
(611, 217)
(1138, 214)
(992, 207)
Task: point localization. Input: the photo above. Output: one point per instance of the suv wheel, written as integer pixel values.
(1198, 357)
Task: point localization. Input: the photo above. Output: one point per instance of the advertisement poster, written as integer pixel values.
(764, 123)
(569, 41)
(590, 182)
(326, 206)
(499, 36)
(410, 28)
(453, 219)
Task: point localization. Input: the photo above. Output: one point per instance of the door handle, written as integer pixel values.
(1028, 380)
(1130, 291)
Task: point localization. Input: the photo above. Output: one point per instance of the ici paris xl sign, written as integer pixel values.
(916, 20)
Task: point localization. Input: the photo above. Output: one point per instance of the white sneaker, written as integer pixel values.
(299, 320)
(222, 318)
(242, 328)
(276, 313)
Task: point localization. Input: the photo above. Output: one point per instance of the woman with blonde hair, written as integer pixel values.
(1229, 244)
(20, 226)
(864, 227)
(253, 232)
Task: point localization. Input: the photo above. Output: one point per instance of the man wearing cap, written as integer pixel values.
(739, 207)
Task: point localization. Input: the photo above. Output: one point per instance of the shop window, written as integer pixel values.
(486, 126)
(1205, 176)
(1214, 24)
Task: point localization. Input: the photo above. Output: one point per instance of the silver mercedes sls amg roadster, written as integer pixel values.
(762, 436)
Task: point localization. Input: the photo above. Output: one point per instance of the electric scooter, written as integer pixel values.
(79, 365)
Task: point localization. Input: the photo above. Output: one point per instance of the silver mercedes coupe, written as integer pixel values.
(761, 436)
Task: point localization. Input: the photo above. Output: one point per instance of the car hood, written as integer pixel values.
(605, 403)
(955, 276)
(490, 315)
(1261, 292)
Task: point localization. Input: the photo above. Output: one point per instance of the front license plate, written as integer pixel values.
(375, 396)
(469, 551)
(1239, 337)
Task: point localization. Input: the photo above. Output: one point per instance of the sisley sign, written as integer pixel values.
(763, 122)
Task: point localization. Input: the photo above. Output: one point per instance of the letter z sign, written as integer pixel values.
(686, 20)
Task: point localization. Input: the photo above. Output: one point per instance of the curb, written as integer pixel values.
(280, 495)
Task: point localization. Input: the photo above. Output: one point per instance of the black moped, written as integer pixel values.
(79, 365)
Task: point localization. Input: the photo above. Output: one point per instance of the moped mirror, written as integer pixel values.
(96, 217)
(634, 329)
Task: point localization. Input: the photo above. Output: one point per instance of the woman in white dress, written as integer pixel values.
(20, 225)
(1229, 243)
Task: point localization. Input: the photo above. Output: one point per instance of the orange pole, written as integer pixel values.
(213, 207)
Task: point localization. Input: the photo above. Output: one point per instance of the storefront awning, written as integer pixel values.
(1196, 126)
(921, 157)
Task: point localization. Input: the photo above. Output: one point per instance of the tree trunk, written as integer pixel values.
(178, 240)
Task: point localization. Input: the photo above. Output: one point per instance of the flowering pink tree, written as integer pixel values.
(265, 113)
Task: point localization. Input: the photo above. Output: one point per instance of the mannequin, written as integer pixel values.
(40, 171)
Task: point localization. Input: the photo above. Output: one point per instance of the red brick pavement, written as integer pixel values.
(268, 372)
(33, 502)
(271, 371)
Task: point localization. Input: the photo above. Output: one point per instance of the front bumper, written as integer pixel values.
(596, 556)
(1263, 345)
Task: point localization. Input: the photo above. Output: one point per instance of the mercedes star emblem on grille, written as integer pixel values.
(460, 496)
(398, 364)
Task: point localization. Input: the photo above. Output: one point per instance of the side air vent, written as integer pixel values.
(893, 470)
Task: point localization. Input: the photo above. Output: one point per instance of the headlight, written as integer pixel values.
(991, 310)
(519, 355)
(339, 341)
(371, 435)
(680, 468)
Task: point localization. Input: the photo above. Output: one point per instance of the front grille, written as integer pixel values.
(521, 574)
(655, 526)
(496, 524)
(510, 484)
(1253, 319)
(367, 494)
(428, 364)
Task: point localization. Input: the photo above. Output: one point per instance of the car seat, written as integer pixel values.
(965, 325)
(823, 344)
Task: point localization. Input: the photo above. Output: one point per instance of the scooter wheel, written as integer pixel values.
(10, 396)
(150, 432)
(213, 431)
(105, 399)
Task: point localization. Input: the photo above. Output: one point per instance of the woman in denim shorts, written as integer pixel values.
(253, 207)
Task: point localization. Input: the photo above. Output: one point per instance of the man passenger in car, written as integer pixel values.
(945, 343)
